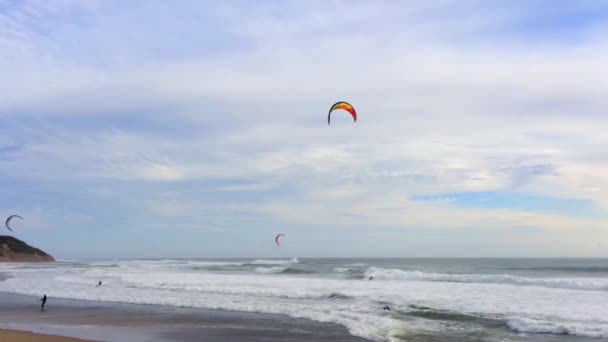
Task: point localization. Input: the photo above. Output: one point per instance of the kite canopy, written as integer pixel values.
(342, 105)
(276, 239)
(8, 220)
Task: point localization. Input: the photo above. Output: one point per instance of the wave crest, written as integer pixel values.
(562, 283)
(275, 262)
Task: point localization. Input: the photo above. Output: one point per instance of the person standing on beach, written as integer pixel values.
(43, 300)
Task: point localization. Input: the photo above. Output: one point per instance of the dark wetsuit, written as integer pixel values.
(43, 300)
(98, 285)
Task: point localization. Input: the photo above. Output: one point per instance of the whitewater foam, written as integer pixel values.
(527, 325)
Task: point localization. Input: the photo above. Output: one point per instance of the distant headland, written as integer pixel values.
(15, 250)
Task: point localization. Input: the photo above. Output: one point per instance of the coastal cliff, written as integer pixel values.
(15, 250)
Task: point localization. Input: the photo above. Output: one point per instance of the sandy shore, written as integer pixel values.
(24, 336)
(100, 321)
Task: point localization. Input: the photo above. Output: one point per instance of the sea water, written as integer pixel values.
(429, 299)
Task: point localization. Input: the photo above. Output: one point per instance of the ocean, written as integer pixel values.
(429, 299)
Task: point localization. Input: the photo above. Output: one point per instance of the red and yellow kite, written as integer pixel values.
(342, 105)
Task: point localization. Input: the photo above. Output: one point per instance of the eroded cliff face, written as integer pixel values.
(15, 250)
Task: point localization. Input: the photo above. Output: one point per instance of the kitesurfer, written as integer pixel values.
(43, 300)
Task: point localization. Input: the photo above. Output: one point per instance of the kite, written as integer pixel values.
(342, 105)
(8, 220)
(276, 239)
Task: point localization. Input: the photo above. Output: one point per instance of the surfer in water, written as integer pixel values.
(43, 300)
(386, 308)
(98, 285)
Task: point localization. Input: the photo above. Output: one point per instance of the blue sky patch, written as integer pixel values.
(517, 201)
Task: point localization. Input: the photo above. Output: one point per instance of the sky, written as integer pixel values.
(156, 129)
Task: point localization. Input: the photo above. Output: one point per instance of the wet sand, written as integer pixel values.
(129, 322)
(24, 336)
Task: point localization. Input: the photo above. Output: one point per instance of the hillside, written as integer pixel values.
(15, 250)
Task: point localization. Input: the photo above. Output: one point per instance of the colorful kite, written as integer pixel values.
(342, 105)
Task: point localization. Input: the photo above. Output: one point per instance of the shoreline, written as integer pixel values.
(105, 321)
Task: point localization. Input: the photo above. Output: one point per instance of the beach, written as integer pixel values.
(98, 321)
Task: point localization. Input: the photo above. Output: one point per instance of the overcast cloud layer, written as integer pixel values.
(198, 129)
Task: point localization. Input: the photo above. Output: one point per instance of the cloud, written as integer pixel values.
(227, 129)
(416, 69)
(162, 172)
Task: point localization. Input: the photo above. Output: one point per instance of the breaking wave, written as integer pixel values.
(280, 269)
(597, 284)
(274, 262)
